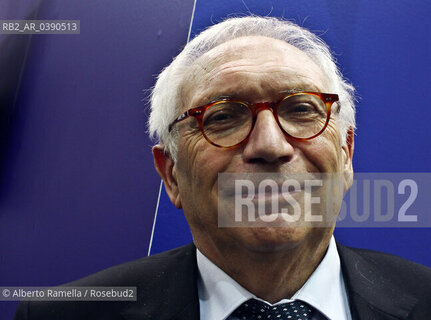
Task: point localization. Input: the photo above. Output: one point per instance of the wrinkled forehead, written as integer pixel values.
(270, 62)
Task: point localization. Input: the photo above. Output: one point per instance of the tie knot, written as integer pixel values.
(257, 310)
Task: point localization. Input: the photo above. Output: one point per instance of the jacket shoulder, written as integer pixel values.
(145, 273)
(387, 282)
(401, 269)
(134, 272)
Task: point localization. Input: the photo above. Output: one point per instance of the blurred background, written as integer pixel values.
(78, 192)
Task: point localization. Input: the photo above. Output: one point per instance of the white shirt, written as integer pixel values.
(220, 295)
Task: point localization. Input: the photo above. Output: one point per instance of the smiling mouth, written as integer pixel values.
(263, 186)
(272, 199)
(268, 195)
(274, 191)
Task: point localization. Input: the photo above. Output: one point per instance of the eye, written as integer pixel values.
(298, 111)
(301, 108)
(221, 115)
(225, 113)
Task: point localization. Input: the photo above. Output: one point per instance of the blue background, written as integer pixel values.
(78, 191)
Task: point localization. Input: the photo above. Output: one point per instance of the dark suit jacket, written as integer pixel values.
(379, 286)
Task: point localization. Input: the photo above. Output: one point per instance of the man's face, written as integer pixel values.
(253, 69)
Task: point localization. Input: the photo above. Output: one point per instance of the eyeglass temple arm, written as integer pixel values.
(180, 118)
(192, 112)
(332, 98)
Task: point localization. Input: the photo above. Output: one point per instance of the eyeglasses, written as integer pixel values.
(227, 123)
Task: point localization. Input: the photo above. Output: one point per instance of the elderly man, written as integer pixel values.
(253, 96)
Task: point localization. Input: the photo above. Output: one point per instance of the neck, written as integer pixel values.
(270, 275)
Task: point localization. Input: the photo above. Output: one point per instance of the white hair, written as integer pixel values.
(165, 96)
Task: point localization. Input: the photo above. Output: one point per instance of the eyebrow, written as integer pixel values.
(238, 96)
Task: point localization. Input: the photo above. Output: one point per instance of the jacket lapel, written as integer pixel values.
(172, 292)
(372, 294)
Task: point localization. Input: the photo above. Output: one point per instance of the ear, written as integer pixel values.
(347, 150)
(166, 168)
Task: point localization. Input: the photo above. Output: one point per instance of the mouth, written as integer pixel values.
(257, 187)
(264, 187)
(277, 192)
(270, 199)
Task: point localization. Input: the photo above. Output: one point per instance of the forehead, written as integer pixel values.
(251, 68)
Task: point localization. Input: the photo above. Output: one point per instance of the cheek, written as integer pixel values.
(198, 166)
(325, 150)
(188, 150)
(200, 162)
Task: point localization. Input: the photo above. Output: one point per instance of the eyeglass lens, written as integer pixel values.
(227, 123)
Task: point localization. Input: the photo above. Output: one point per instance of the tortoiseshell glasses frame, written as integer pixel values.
(327, 99)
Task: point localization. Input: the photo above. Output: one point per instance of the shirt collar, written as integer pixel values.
(220, 295)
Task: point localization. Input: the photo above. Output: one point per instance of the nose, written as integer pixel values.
(267, 143)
